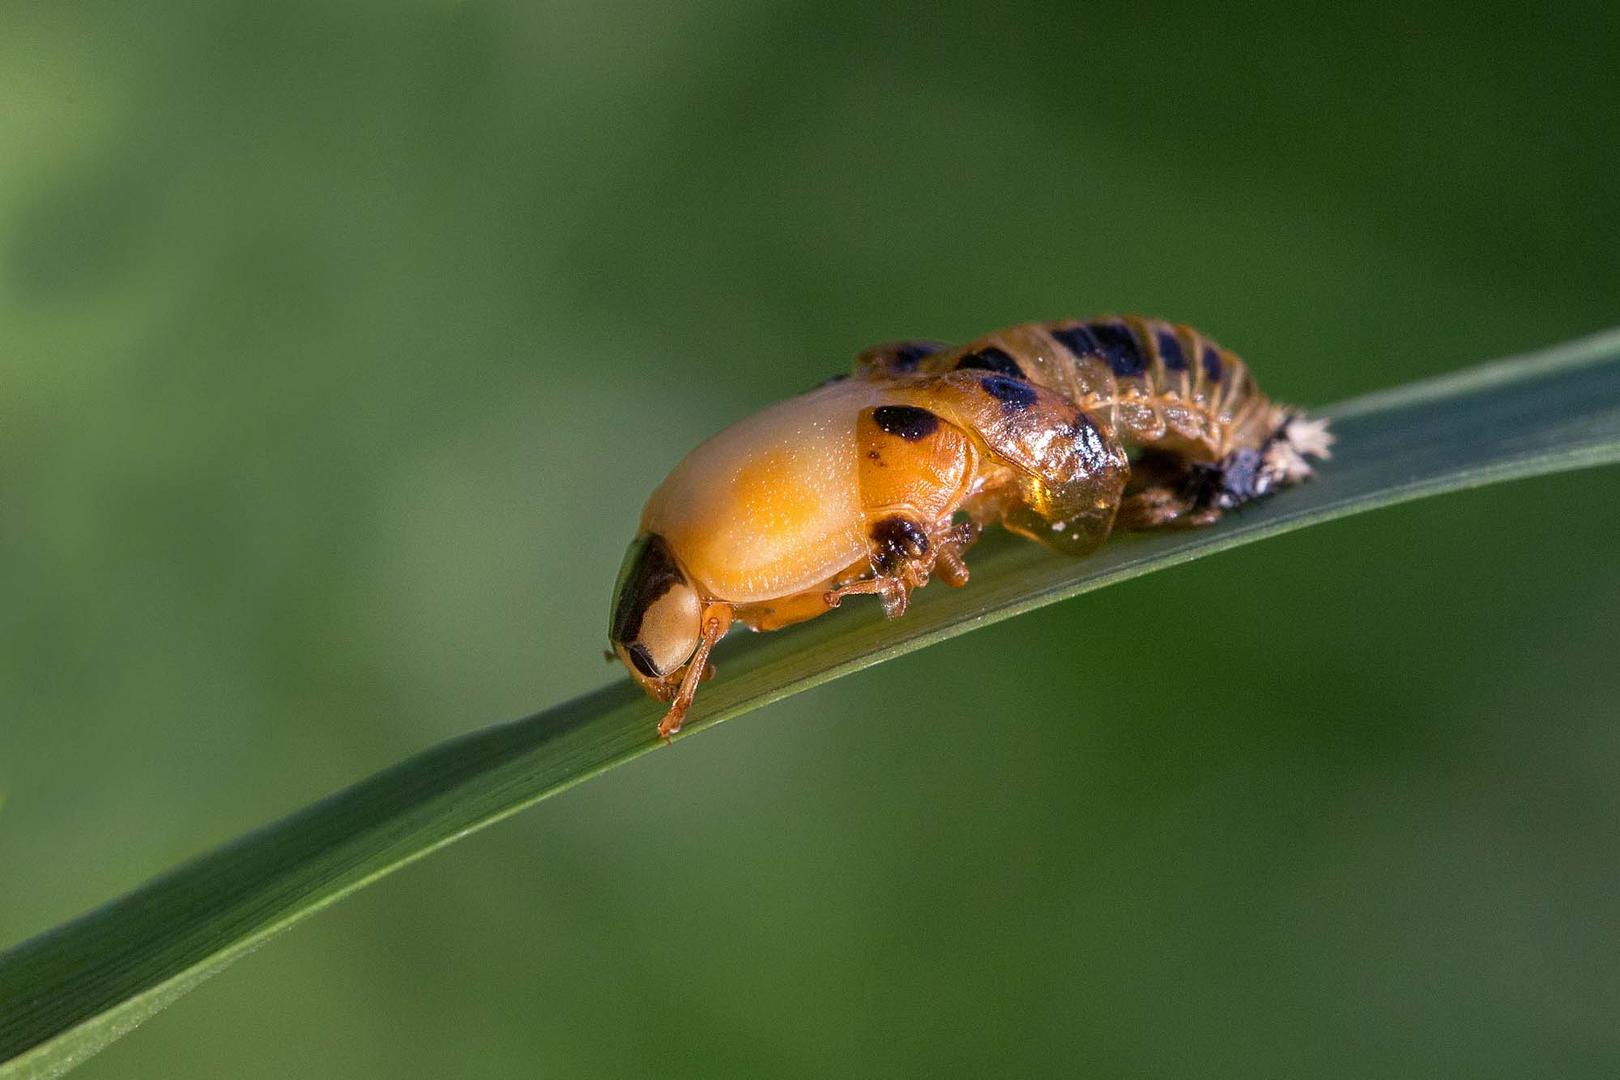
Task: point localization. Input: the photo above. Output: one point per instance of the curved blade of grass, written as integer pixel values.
(67, 993)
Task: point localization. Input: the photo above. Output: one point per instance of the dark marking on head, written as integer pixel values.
(1015, 395)
(908, 354)
(1170, 351)
(649, 572)
(906, 421)
(830, 380)
(991, 358)
(1212, 363)
(1120, 348)
(1078, 340)
(896, 539)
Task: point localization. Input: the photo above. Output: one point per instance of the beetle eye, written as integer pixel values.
(642, 659)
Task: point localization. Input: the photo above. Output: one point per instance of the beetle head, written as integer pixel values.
(657, 615)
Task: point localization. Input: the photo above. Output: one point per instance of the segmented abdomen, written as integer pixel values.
(1155, 383)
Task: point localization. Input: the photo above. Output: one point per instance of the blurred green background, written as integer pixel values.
(342, 342)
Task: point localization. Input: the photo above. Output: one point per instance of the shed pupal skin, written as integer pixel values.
(878, 482)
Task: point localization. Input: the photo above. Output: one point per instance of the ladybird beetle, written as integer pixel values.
(878, 480)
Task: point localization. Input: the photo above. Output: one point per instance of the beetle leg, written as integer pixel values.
(948, 546)
(951, 569)
(896, 598)
(890, 588)
(941, 552)
(716, 621)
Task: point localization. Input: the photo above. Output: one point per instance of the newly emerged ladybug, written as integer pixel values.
(873, 483)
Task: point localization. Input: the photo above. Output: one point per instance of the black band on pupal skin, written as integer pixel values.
(1111, 341)
(896, 539)
(908, 354)
(1120, 348)
(1078, 340)
(991, 358)
(1170, 351)
(1089, 441)
(906, 421)
(649, 572)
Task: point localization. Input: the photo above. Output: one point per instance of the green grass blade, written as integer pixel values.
(67, 993)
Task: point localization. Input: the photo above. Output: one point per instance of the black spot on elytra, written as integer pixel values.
(1212, 363)
(1089, 437)
(1120, 348)
(991, 358)
(649, 573)
(1015, 395)
(906, 421)
(908, 354)
(896, 539)
(1170, 351)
